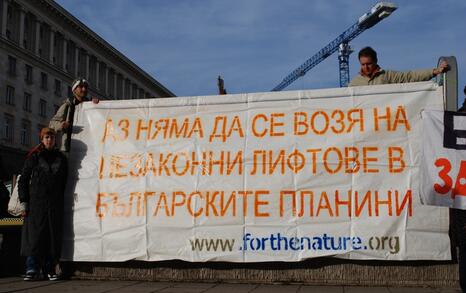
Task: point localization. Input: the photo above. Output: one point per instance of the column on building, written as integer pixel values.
(123, 87)
(115, 83)
(107, 72)
(51, 47)
(37, 37)
(22, 15)
(134, 91)
(65, 46)
(97, 74)
(4, 16)
(86, 60)
(76, 61)
(130, 90)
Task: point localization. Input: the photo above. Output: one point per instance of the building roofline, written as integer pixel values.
(95, 37)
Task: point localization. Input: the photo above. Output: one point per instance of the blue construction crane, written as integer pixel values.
(380, 11)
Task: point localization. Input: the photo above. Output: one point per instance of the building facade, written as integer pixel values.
(43, 48)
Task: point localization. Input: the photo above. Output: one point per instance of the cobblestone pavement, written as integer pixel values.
(16, 284)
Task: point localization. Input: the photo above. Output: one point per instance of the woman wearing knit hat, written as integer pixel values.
(62, 122)
(40, 189)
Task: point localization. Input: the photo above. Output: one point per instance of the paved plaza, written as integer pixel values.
(16, 284)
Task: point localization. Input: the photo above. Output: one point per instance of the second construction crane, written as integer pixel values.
(380, 11)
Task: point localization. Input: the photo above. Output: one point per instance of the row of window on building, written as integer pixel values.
(25, 134)
(40, 38)
(29, 77)
(10, 99)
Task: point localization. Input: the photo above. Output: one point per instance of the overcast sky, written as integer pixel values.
(254, 44)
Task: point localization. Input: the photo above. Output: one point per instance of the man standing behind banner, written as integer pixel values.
(463, 107)
(62, 122)
(460, 229)
(372, 74)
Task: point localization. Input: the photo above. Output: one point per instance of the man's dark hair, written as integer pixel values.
(368, 52)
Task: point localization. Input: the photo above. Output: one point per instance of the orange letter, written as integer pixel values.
(443, 174)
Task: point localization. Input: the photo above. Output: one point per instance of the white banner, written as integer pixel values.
(443, 180)
(280, 176)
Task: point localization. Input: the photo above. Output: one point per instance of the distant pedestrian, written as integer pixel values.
(41, 188)
(62, 121)
(371, 73)
(4, 194)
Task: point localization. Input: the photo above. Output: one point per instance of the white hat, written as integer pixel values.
(77, 82)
